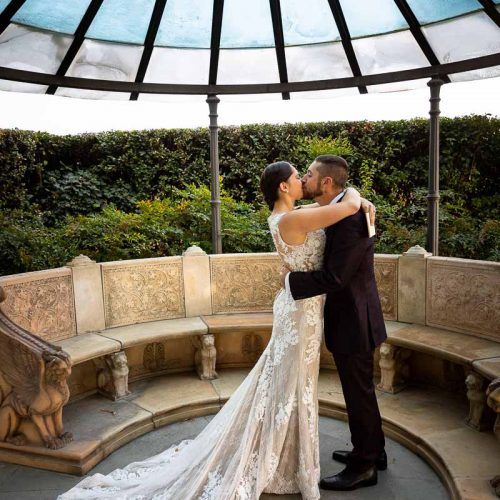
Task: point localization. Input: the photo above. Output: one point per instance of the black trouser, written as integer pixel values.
(365, 424)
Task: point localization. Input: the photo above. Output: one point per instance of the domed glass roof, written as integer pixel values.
(126, 49)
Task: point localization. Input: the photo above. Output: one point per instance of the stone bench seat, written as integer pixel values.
(489, 368)
(456, 347)
(155, 331)
(88, 346)
(243, 322)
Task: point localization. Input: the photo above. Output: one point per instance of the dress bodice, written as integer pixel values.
(307, 256)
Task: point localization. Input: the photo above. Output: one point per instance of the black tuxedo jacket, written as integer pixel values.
(353, 314)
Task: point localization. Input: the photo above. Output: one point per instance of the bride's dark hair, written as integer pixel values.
(273, 175)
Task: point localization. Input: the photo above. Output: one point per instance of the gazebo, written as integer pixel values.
(128, 346)
(141, 49)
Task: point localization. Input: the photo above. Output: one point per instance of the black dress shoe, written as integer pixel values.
(349, 479)
(342, 456)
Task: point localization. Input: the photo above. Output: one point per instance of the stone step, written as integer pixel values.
(428, 422)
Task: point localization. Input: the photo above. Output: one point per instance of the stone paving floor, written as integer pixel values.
(407, 478)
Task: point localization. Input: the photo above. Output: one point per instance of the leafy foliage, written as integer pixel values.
(102, 194)
(156, 228)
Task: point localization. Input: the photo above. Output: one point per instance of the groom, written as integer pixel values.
(354, 324)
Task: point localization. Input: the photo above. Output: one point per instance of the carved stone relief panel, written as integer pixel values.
(143, 291)
(464, 295)
(43, 306)
(244, 283)
(252, 346)
(154, 357)
(386, 274)
(160, 357)
(236, 349)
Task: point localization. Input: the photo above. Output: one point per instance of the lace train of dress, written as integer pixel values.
(265, 438)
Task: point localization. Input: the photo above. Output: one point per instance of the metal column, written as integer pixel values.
(213, 101)
(433, 196)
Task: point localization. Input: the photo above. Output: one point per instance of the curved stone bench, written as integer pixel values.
(167, 318)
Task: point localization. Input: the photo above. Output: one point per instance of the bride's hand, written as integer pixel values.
(368, 206)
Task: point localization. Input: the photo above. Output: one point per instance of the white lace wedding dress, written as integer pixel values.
(265, 438)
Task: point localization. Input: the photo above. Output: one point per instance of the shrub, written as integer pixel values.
(157, 228)
(122, 194)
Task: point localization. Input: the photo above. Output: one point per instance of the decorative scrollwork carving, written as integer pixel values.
(386, 275)
(154, 357)
(252, 346)
(465, 297)
(143, 292)
(243, 284)
(44, 307)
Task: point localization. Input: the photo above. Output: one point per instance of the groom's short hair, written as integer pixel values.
(333, 166)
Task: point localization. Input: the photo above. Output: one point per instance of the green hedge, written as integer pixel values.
(50, 184)
(155, 228)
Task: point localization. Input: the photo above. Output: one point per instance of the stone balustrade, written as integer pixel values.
(97, 309)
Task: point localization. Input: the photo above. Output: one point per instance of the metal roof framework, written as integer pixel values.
(319, 45)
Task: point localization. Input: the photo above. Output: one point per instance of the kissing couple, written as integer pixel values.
(265, 438)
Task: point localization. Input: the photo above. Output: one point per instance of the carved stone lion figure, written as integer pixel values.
(394, 370)
(34, 389)
(477, 399)
(205, 358)
(113, 376)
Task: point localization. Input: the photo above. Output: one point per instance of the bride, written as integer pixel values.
(265, 438)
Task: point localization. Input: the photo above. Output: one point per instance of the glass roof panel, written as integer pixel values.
(398, 86)
(186, 23)
(317, 62)
(429, 11)
(308, 22)
(392, 52)
(28, 88)
(170, 65)
(61, 16)
(478, 74)
(373, 17)
(3, 4)
(16, 44)
(246, 24)
(449, 47)
(92, 94)
(106, 61)
(248, 66)
(119, 21)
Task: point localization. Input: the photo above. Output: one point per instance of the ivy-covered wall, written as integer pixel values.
(50, 184)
